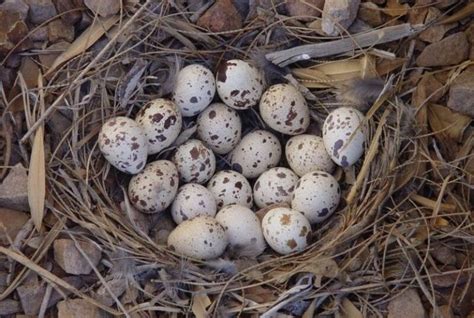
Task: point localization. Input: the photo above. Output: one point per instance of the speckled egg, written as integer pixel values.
(239, 84)
(230, 187)
(194, 90)
(161, 121)
(219, 126)
(123, 144)
(306, 153)
(154, 189)
(344, 135)
(286, 230)
(202, 238)
(243, 229)
(195, 162)
(191, 201)
(257, 152)
(284, 109)
(316, 195)
(275, 185)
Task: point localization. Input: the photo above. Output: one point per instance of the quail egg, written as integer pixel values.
(306, 153)
(230, 187)
(193, 200)
(195, 162)
(275, 185)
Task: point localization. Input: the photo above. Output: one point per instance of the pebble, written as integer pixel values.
(70, 259)
(104, 8)
(451, 50)
(15, 6)
(337, 14)
(14, 189)
(461, 93)
(13, 29)
(41, 10)
(71, 17)
(221, 17)
(59, 30)
(9, 307)
(406, 305)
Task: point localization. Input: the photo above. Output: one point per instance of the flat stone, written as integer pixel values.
(371, 14)
(13, 30)
(14, 189)
(104, 8)
(31, 296)
(406, 305)
(338, 14)
(78, 308)
(41, 10)
(461, 93)
(49, 55)
(58, 30)
(221, 17)
(435, 32)
(9, 307)
(11, 222)
(305, 11)
(444, 255)
(450, 51)
(39, 34)
(70, 10)
(70, 259)
(15, 6)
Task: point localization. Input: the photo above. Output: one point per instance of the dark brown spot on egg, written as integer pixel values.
(303, 231)
(291, 243)
(194, 153)
(212, 114)
(285, 219)
(156, 118)
(238, 185)
(337, 145)
(193, 100)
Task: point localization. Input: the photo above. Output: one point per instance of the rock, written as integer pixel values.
(306, 11)
(104, 8)
(58, 30)
(78, 308)
(40, 34)
(12, 221)
(41, 10)
(49, 55)
(371, 14)
(444, 311)
(406, 305)
(444, 255)
(338, 14)
(437, 31)
(13, 31)
(221, 17)
(14, 189)
(461, 93)
(69, 258)
(15, 6)
(73, 9)
(9, 307)
(452, 50)
(31, 296)
(7, 76)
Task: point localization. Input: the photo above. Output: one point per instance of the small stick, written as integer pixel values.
(357, 41)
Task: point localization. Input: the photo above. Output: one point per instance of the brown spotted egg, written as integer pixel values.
(316, 195)
(239, 84)
(191, 201)
(284, 109)
(306, 153)
(154, 189)
(286, 231)
(230, 187)
(202, 238)
(161, 121)
(275, 185)
(219, 126)
(344, 135)
(257, 152)
(123, 144)
(194, 90)
(195, 162)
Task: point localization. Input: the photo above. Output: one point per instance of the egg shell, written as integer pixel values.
(219, 127)
(316, 195)
(154, 189)
(242, 228)
(239, 84)
(195, 162)
(275, 185)
(257, 152)
(202, 238)
(306, 153)
(161, 121)
(286, 230)
(194, 90)
(344, 135)
(230, 187)
(191, 201)
(123, 144)
(284, 109)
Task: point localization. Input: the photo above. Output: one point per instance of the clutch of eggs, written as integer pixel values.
(214, 207)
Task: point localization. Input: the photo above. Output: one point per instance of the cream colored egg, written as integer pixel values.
(275, 185)
(306, 153)
(191, 201)
(230, 187)
(195, 162)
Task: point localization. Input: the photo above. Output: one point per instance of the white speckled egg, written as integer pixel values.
(344, 135)
(123, 144)
(242, 227)
(239, 84)
(284, 109)
(275, 185)
(257, 152)
(286, 230)
(154, 189)
(202, 238)
(195, 162)
(193, 200)
(194, 90)
(230, 187)
(306, 153)
(219, 126)
(161, 121)
(316, 195)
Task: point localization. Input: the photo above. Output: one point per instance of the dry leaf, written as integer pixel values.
(444, 121)
(349, 310)
(37, 179)
(200, 302)
(459, 15)
(394, 9)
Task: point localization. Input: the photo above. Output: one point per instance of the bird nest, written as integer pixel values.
(407, 197)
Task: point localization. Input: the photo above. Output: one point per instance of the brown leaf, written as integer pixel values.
(37, 179)
(447, 123)
(394, 9)
(200, 302)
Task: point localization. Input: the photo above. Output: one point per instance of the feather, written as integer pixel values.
(361, 93)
